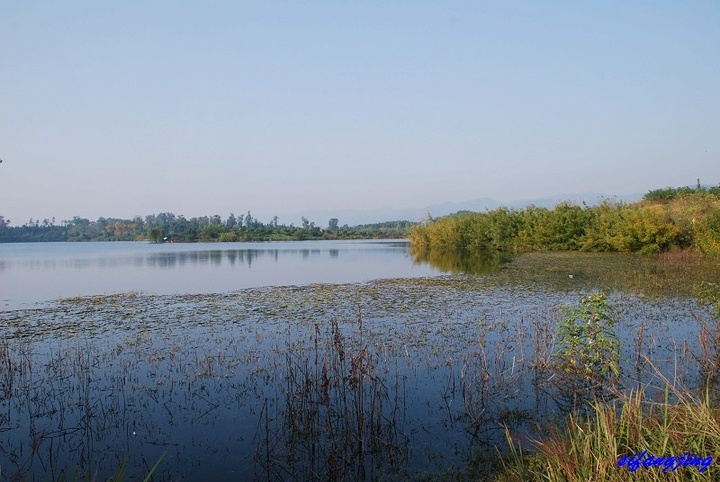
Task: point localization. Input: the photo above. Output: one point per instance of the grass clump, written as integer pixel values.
(681, 429)
(669, 435)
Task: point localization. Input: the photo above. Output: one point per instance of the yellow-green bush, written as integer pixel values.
(691, 220)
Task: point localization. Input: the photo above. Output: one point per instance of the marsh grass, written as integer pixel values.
(588, 446)
(334, 418)
(708, 357)
(598, 438)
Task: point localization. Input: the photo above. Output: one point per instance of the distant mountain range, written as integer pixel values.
(354, 217)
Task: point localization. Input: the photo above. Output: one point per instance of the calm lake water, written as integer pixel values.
(37, 272)
(307, 361)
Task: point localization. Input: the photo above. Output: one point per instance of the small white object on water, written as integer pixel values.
(133, 432)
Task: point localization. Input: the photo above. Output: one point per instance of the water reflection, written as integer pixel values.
(179, 258)
(37, 272)
(246, 257)
(234, 257)
(476, 262)
(666, 274)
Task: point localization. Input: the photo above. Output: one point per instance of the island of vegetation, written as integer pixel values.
(167, 227)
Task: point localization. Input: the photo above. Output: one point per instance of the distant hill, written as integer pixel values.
(353, 217)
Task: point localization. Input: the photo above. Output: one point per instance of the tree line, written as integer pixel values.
(168, 227)
(666, 219)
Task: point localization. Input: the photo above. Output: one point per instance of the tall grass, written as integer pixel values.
(338, 420)
(599, 446)
(635, 435)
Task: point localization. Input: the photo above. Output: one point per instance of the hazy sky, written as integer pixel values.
(130, 108)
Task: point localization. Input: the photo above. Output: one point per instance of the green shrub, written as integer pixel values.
(689, 220)
(588, 347)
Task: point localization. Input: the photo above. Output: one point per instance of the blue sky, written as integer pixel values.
(130, 108)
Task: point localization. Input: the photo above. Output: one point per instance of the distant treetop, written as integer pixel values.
(669, 193)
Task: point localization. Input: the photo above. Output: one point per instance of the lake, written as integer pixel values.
(307, 361)
(37, 272)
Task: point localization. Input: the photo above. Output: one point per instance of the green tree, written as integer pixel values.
(155, 234)
(231, 222)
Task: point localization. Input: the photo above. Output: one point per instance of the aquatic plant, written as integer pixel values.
(708, 356)
(587, 355)
(335, 419)
(709, 293)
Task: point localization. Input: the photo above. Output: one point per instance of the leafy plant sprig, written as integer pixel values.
(588, 344)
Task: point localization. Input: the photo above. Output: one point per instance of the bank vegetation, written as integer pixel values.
(665, 219)
(168, 227)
